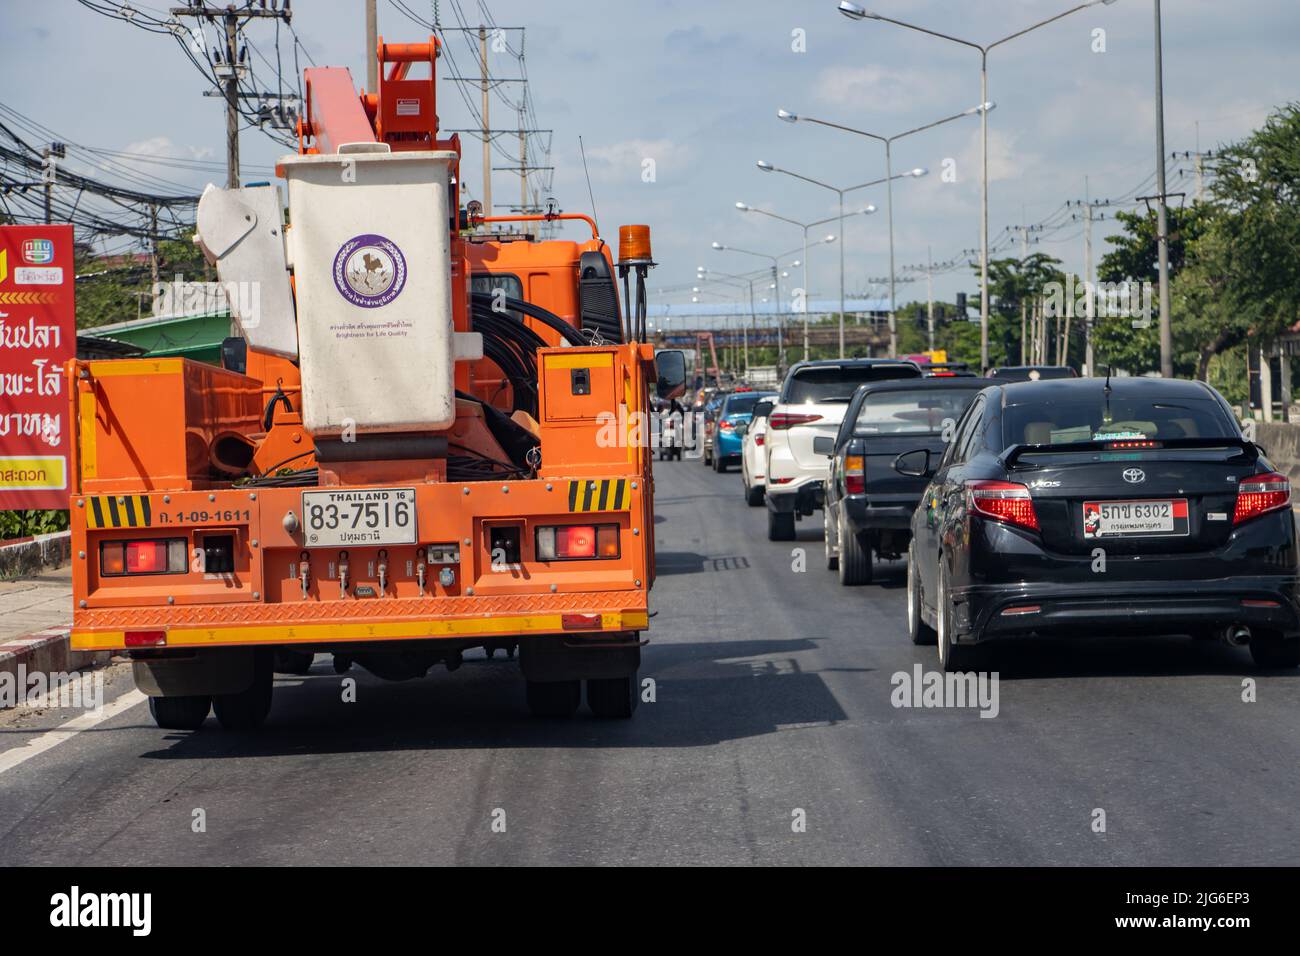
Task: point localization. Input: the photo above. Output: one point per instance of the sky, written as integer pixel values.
(676, 101)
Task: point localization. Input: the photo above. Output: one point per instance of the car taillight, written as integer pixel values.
(144, 556)
(854, 481)
(783, 420)
(1261, 494)
(1005, 501)
(726, 426)
(577, 542)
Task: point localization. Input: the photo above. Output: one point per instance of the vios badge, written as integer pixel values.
(369, 271)
(1134, 475)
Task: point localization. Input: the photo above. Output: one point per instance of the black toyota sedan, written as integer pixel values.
(870, 491)
(1101, 507)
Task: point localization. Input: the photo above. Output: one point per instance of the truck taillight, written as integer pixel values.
(577, 542)
(1005, 501)
(144, 638)
(143, 556)
(783, 420)
(855, 482)
(1260, 494)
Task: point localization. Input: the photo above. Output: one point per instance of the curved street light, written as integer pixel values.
(888, 141)
(857, 12)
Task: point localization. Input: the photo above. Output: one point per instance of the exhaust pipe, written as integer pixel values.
(1238, 635)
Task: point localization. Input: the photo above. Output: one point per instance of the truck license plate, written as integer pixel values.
(1111, 519)
(359, 517)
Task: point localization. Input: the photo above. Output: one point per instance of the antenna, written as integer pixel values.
(586, 173)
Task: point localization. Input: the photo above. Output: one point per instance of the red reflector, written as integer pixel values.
(1022, 609)
(576, 541)
(1006, 501)
(1251, 602)
(146, 557)
(1260, 494)
(779, 481)
(784, 420)
(580, 622)
(145, 638)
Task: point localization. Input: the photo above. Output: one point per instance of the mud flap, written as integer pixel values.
(558, 657)
(206, 671)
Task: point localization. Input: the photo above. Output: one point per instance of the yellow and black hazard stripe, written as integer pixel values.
(118, 511)
(604, 494)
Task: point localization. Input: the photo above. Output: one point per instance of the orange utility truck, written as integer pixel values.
(428, 436)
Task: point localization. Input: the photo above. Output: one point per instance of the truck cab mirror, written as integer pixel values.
(824, 445)
(670, 373)
(914, 464)
(763, 409)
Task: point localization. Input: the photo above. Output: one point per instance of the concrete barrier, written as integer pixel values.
(1281, 443)
(31, 555)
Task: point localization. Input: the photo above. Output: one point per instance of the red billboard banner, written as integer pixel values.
(37, 337)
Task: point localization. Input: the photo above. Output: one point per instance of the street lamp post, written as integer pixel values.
(855, 12)
(866, 211)
(769, 168)
(888, 141)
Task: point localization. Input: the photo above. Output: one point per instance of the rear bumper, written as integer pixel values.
(802, 498)
(1270, 602)
(863, 514)
(463, 619)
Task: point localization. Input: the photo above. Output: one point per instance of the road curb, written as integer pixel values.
(46, 652)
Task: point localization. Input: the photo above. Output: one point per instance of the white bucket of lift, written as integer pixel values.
(370, 245)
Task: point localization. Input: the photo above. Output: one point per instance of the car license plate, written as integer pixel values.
(1112, 519)
(359, 516)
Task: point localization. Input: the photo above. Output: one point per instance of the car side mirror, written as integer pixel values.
(914, 464)
(824, 445)
(741, 428)
(670, 373)
(763, 409)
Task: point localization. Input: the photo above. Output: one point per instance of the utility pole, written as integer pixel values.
(929, 294)
(229, 68)
(51, 154)
(1162, 215)
(153, 247)
(487, 141)
(372, 45)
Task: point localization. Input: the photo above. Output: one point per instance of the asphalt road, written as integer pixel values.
(773, 705)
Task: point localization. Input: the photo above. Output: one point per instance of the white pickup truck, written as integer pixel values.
(813, 398)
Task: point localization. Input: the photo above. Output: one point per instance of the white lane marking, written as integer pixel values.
(64, 732)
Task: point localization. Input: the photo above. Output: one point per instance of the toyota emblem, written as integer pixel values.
(1134, 475)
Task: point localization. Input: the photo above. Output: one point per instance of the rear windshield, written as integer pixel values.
(743, 404)
(1059, 423)
(921, 411)
(838, 383)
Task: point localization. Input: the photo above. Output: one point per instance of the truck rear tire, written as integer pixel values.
(855, 556)
(247, 710)
(613, 697)
(180, 713)
(780, 525)
(555, 698)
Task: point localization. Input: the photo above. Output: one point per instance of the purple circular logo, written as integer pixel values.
(369, 271)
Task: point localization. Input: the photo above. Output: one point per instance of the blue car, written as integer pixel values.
(736, 408)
